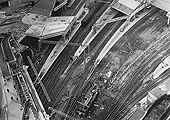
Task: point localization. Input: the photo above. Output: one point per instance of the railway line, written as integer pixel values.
(75, 37)
(76, 6)
(109, 14)
(119, 33)
(133, 87)
(59, 63)
(153, 54)
(80, 92)
(137, 86)
(128, 98)
(5, 70)
(144, 55)
(100, 42)
(110, 55)
(143, 93)
(55, 67)
(82, 87)
(122, 87)
(95, 52)
(93, 71)
(90, 13)
(149, 70)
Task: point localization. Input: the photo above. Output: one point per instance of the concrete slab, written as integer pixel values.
(162, 4)
(132, 4)
(48, 27)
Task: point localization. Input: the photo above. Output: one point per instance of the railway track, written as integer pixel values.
(92, 57)
(95, 52)
(134, 86)
(76, 6)
(137, 61)
(133, 82)
(73, 110)
(62, 61)
(123, 71)
(57, 69)
(140, 69)
(80, 37)
(143, 93)
(61, 64)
